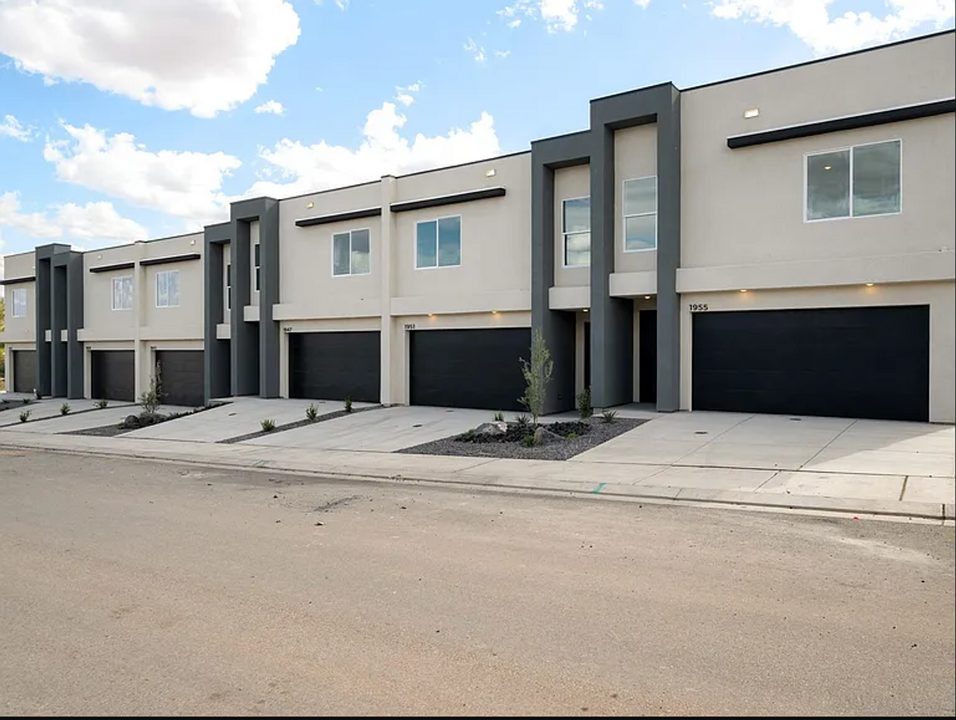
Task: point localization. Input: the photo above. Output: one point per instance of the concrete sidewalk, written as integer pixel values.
(885, 495)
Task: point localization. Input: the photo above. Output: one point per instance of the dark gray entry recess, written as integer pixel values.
(182, 377)
(841, 362)
(468, 368)
(335, 365)
(112, 375)
(24, 363)
(647, 356)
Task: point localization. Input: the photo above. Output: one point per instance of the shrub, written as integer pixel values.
(609, 416)
(311, 413)
(528, 441)
(65, 409)
(24, 416)
(537, 374)
(348, 404)
(585, 408)
(523, 420)
(499, 416)
(101, 404)
(571, 435)
(268, 425)
(153, 398)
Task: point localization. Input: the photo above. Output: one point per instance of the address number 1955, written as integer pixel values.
(698, 307)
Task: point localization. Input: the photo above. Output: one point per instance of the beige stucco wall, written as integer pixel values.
(100, 321)
(572, 182)
(19, 330)
(635, 156)
(495, 270)
(184, 322)
(746, 206)
(940, 296)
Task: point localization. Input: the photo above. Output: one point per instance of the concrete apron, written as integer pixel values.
(572, 479)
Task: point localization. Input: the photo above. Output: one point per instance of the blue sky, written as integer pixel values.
(127, 119)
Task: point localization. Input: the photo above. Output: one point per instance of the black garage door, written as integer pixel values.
(24, 363)
(182, 377)
(112, 375)
(838, 362)
(335, 365)
(468, 368)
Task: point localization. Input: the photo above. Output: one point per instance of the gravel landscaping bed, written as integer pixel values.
(121, 428)
(296, 424)
(590, 433)
(14, 404)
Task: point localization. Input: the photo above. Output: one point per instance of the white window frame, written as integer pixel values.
(436, 266)
(564, 235)
(113, 282)
(850, 148)
(227, 278)
(20, 303)
(656, 214)
(351, 273)
(256, 266)
(167, 273)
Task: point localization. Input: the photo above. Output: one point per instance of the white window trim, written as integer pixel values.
(113, 293)
(350, 273)
(256, 276)
(564, 235)
(461, 243)
(625, 216)
(227, 286)
(13, 303)
(156, 288)
(851, 216)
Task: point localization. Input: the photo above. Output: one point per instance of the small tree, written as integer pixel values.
(153, 398)
(537, 375)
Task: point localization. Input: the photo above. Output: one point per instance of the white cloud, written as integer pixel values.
(557, 15)
(642, 3)
(406, 95)
(342, 4)
(205, 56)
(183, 184)
(308, 168)
(502, 53)
(273, 107)
(475, 50)
(811, 21)
(95, 221)
(11, 127)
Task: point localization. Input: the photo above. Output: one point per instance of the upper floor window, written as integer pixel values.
(19, 303)
(576, 229)
(854, 182)
(167, 289)
(438, 243)
(123, 292)
(640, 214)
(257, 266)
(350, 253)
(228, 286)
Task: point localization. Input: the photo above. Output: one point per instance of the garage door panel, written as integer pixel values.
(24, 363)
(183, 377)
(477, 368)
(112, 375)
(843, 362)
(335, 365)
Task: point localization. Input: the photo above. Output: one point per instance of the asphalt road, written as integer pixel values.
(140, 588)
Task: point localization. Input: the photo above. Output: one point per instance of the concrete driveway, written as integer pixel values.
(240, 416)
(49, 408)
(56, 424)
(385, 430)
(798, 455)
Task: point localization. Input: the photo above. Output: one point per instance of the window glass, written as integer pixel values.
(449, 241)
(360, 252)
(577, 215)
(173, 283)
(122, 293)
(640, 196)
(876, 179)
(426, 246)
(340, 254)
(828, 185)
(577, 249)
(20, 302)
(640, 232)
(162, 296)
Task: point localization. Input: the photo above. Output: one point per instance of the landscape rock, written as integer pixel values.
(492, 429)
(543, 436)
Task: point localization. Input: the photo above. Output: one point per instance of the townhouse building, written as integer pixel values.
(780, 243)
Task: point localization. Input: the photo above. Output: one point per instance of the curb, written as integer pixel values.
(659, 494)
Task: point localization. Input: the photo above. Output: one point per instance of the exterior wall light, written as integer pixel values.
(751, 113)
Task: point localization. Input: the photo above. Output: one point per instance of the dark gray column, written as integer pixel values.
(58, 304)
(74, 322)
(216, 355)
(244, 346)
(612, 318)
(557, 326)
(44, 272)
(268, 296)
